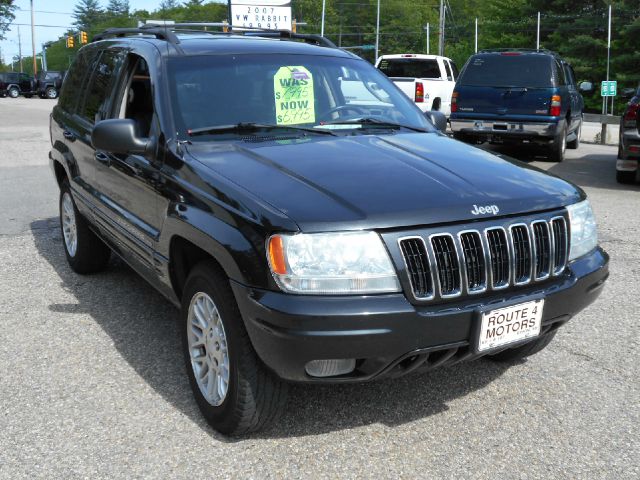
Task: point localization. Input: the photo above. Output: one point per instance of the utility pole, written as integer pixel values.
(476, 34)
(33, 41)
(426, 29)
(324, 6)
(20, 49)
(441, 34)
(378, 31)
(609, 54)
(538, 34)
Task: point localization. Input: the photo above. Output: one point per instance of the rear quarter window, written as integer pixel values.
(508, 71)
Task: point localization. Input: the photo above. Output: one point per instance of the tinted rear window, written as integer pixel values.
(508, 71)
(410, 67)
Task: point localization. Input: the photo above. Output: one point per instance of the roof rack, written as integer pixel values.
(160, 32)
(168, 32)
(528, 50)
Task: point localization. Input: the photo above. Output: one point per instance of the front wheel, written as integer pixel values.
(233, 389)
(575, 143)
(51, 93)
(559, 146)
(14, 92)
(526, 350)
(85, 252)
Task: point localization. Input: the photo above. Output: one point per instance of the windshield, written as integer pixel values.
(508, 70)
(285, 90)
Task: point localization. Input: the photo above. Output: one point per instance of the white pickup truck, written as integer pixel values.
(427, 79)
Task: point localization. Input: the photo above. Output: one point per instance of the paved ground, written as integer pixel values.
(92, 382)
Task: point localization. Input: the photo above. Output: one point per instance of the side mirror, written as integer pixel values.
(438, 119)
(119, 135)
(585, 87)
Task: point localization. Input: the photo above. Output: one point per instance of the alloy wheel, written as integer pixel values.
(208, 349)
(69, 226)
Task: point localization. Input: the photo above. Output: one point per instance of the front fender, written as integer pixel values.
(239, 250)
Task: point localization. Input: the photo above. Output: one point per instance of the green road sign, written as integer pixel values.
(609, 88)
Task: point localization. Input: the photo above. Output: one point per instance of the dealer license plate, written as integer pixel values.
(507, 325)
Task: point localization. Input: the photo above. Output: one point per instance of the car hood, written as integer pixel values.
(386, 181)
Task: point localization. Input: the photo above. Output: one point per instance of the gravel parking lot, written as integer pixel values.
(92, 382)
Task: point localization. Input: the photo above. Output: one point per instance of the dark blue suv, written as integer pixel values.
(518, 96)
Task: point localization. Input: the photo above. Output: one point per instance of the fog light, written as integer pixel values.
(330, 368)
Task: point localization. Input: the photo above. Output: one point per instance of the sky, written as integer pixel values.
(48, 12)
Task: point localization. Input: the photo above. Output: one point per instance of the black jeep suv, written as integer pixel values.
(306, 237)
(14, 84)
(48, 84)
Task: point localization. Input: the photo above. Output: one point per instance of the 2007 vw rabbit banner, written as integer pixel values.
(265, 14)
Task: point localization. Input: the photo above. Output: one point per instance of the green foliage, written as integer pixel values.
(87, 14)
(6, 16)
(576, 30)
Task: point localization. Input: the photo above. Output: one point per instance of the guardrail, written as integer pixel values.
(604, 120)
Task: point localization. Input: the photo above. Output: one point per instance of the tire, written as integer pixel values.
(625, 177)
(559, 145)
(51, 93)
(524, 351)
(574, 144)
(14, 92)
(85, 252)
(253, 397)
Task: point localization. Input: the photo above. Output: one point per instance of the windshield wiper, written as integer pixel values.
(372, 121)
(251, 127)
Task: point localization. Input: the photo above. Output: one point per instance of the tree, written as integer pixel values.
(118, 8)
(169, 4)
(193, 3)
(6, 16)
(87, 14)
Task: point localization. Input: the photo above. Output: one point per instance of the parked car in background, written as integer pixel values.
(518, 96)
(629, 144)
(48, 83)
(14, 84)
(426, 79)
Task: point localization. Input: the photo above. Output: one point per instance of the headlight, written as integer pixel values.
(584, 236)
(331, 263)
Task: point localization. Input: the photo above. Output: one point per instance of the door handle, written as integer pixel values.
(103, 158)
(68, 135)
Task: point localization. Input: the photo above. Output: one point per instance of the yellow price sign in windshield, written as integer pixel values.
(293, 94)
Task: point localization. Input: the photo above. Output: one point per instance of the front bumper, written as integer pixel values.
(504, 129)
(388, 335)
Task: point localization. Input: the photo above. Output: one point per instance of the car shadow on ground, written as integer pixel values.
(597, 170)
(142, 325)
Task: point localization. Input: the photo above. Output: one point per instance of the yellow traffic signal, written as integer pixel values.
(83, 37)
(70, 41)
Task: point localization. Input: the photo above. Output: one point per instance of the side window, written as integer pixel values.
(448, 69)
(101, 85)
(568, 70)
(136, 97)
(562, 80)
(71, 87)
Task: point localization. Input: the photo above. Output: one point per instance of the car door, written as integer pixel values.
(126, 185)
(73, 132)
(576, 100)
(25, 83)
